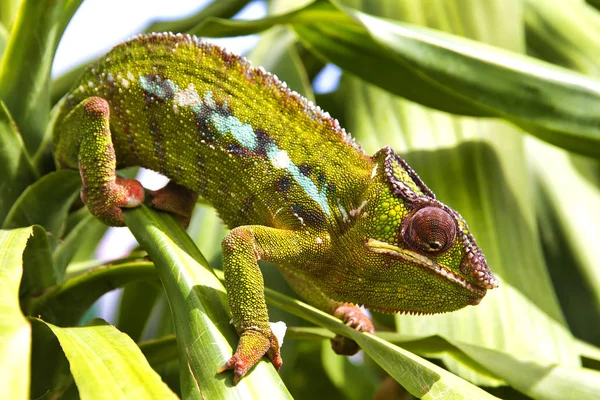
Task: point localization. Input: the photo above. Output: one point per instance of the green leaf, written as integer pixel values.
(66, 303)
(198, 305)
(80, 242)
(38, 269)
(16, 169)
(107, 364)
(554, 104)
(534, 378)
(568, 36)
(8, 9)
(160, 351)
(222, 9)
(163, 356)
(420, 377)
(58, 190)
(26, 64)
(15, 331)
(563, 35)
(49, 366)
(569, 222)
(3, 40)
(276, 52)
(137, 301)
(207, 231)
(356, 380)
(446, 72)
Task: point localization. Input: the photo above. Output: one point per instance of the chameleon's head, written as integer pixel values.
(418, 253)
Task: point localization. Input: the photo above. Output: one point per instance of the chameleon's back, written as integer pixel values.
(258, 152)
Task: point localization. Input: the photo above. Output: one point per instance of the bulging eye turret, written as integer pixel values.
(430, 230)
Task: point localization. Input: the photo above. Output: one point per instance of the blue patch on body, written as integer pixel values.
(243, 133)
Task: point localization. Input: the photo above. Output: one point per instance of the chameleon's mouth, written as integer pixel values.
(424, 262)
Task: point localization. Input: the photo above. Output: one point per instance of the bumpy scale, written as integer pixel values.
(345, 228)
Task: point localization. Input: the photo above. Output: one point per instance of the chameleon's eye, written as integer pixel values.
(431, 230)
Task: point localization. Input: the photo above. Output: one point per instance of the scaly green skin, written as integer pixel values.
(345, 228)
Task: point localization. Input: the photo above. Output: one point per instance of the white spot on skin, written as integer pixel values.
(125, 83)
(354, 213)
(130, 76)
(319, 240)
(91, 84)
(281, 160)
(187, 97)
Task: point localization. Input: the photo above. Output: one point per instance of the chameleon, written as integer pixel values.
(346, 229)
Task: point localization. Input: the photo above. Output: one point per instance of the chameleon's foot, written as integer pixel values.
(176, 199)
(106, 204)
(353, 317)
(253, 345)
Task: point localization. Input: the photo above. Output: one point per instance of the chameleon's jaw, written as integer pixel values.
(417, 259)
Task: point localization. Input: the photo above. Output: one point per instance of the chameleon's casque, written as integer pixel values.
(344, 227)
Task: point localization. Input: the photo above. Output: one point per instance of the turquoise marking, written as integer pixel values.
(310, 188)
(208, 100)
(243, 133)
(343, 211)
(161, 89)
(279, 161)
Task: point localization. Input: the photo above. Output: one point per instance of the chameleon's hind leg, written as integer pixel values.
(349, 313)
(103, 192)
(177, 200)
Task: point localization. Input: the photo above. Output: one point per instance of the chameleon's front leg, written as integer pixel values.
(103, 192)
(242, 248)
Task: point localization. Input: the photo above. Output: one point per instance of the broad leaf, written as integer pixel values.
(66, 303)
(15, 331)
(198, 305)
(420, 377)
(82, 240)
(16, 169)
(39, 273)
(445, 72)
(33, 40)
(107, 364)
(46, 202)
(137, 302)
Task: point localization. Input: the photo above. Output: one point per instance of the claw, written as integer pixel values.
(354, 318)
(253, 345)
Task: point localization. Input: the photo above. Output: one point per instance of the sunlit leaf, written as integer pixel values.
(58, 190)
(198, 304)
(66, 303)
(446, 72)
(107, 363)
(15, 165)
(33, 40)
(15, 331)
(420, 377)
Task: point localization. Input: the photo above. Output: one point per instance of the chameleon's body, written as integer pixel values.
(344, 227)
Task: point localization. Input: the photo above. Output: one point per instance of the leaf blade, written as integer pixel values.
(15, 331)
(198, 304)
(107, 364)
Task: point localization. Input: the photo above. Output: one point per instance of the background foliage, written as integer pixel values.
(494, 102)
